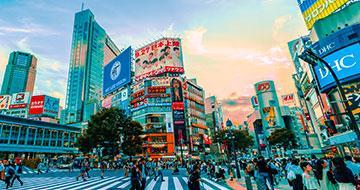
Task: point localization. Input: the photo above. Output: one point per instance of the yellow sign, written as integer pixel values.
(321, 9)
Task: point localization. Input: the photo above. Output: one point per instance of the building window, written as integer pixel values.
(5, 134)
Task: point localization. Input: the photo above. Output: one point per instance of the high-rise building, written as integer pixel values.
(20, 73)
(91, 49)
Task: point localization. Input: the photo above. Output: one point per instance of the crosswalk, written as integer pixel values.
(114, 182)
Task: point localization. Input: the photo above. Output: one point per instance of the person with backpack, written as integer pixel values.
(9, 173)
(343, 175)
(324, 176)
(194, 179)
(18, 172)
(103, 168)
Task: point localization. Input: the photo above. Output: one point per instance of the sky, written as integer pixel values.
(228, 45)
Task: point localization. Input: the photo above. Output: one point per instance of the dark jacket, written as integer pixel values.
(344, 176)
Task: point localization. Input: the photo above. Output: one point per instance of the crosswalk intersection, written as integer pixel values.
(114, 182)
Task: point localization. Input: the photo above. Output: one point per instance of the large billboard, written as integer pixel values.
(313, 10)
(118, 72)
(345, 63)
(43, 105)
(162, 56)
(51, 106)
(5, 101)
(37, 105)
(178, 111)
(352, 93)
(19, 100)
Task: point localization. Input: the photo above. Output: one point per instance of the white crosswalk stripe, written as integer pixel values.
(165, 184)
(113, 182)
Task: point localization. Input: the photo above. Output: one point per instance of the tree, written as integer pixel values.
(104, 129)
(132, 141)
(283, 137)
(242, 138)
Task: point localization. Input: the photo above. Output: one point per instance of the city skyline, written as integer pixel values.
(245, 53)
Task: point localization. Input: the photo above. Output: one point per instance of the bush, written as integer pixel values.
(32, 162)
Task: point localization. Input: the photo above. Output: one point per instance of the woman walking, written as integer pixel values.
(343, 175)
(18, 172)
(308, 178)
(135, 177)
(324, 175)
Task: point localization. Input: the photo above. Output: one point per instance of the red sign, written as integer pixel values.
(156, 89)
(157, 95)
(178, 105)
(17, 106)
(167, 69)
(263, 87)
(138, 93)
(37, 105)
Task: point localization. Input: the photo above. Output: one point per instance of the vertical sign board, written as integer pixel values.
(178, 111)
(5, 101)
(37, 105)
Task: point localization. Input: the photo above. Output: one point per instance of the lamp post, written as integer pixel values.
(311, 58)
(181, 151)
(232, 138)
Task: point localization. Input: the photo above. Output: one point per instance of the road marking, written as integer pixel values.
(177, 183)
(75, 182)
(207, 187)
(49, 184)
(151, 185)
(185, 179)
(165, 184)
(93, 182)
(215, 184)
(124, 185)
(107, 182)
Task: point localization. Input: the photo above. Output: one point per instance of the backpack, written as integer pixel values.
(20, 170)
(11, 171)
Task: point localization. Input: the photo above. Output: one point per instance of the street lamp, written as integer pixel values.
(181, 150)
(311, 58)
(232, 138)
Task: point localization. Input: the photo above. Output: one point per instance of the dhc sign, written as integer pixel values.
(345, 63)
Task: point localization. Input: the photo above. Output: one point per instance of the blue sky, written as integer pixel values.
(228, 44)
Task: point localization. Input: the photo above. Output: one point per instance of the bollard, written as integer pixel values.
(248, 182)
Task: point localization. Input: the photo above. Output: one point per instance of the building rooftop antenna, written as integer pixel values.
(82, 6)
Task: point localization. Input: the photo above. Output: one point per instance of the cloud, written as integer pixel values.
(236, 107)
(193, 40)
(278, 27)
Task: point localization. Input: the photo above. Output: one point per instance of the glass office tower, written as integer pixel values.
(91, 48)
(20, 73)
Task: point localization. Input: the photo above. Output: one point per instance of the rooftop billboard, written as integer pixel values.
(117, 73)
(313, 10)
(19, 100)
(161, 56)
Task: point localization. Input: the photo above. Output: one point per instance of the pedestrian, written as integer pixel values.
(82, 171)
(194, 179)
(354, 167)
(87, 167)
(2, 171)
(343, 175)
(135, 177)
(159, 171)
(308, 178)
(9, 173)
(103, 168)
(294, 175)
(144, 173)
(264, 174)
(40, 166)
(18, 172)
(324, 175)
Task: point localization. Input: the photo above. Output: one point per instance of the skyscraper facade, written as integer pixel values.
(20, 73)
(91, 49)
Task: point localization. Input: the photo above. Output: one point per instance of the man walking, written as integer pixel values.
(159, 171)
(144, 173)
(9, 173)
(18, 172)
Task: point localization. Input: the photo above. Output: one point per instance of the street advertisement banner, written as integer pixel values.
(37, 105)
(169, 124)
(288, 99)
(269, 113)
(19, 100)
(163, 81)
(313, 10)
(352, 93)
(124, 94)
(254, 102)
(345, 63)
(178, 111)
(5, 101)
(156, 89)
(51, 106)
(117, 73)
(164, 55)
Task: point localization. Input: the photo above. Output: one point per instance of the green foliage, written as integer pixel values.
(132, 142)
(282, 137)
(242, 138)
(32, 163)
(104, 130)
